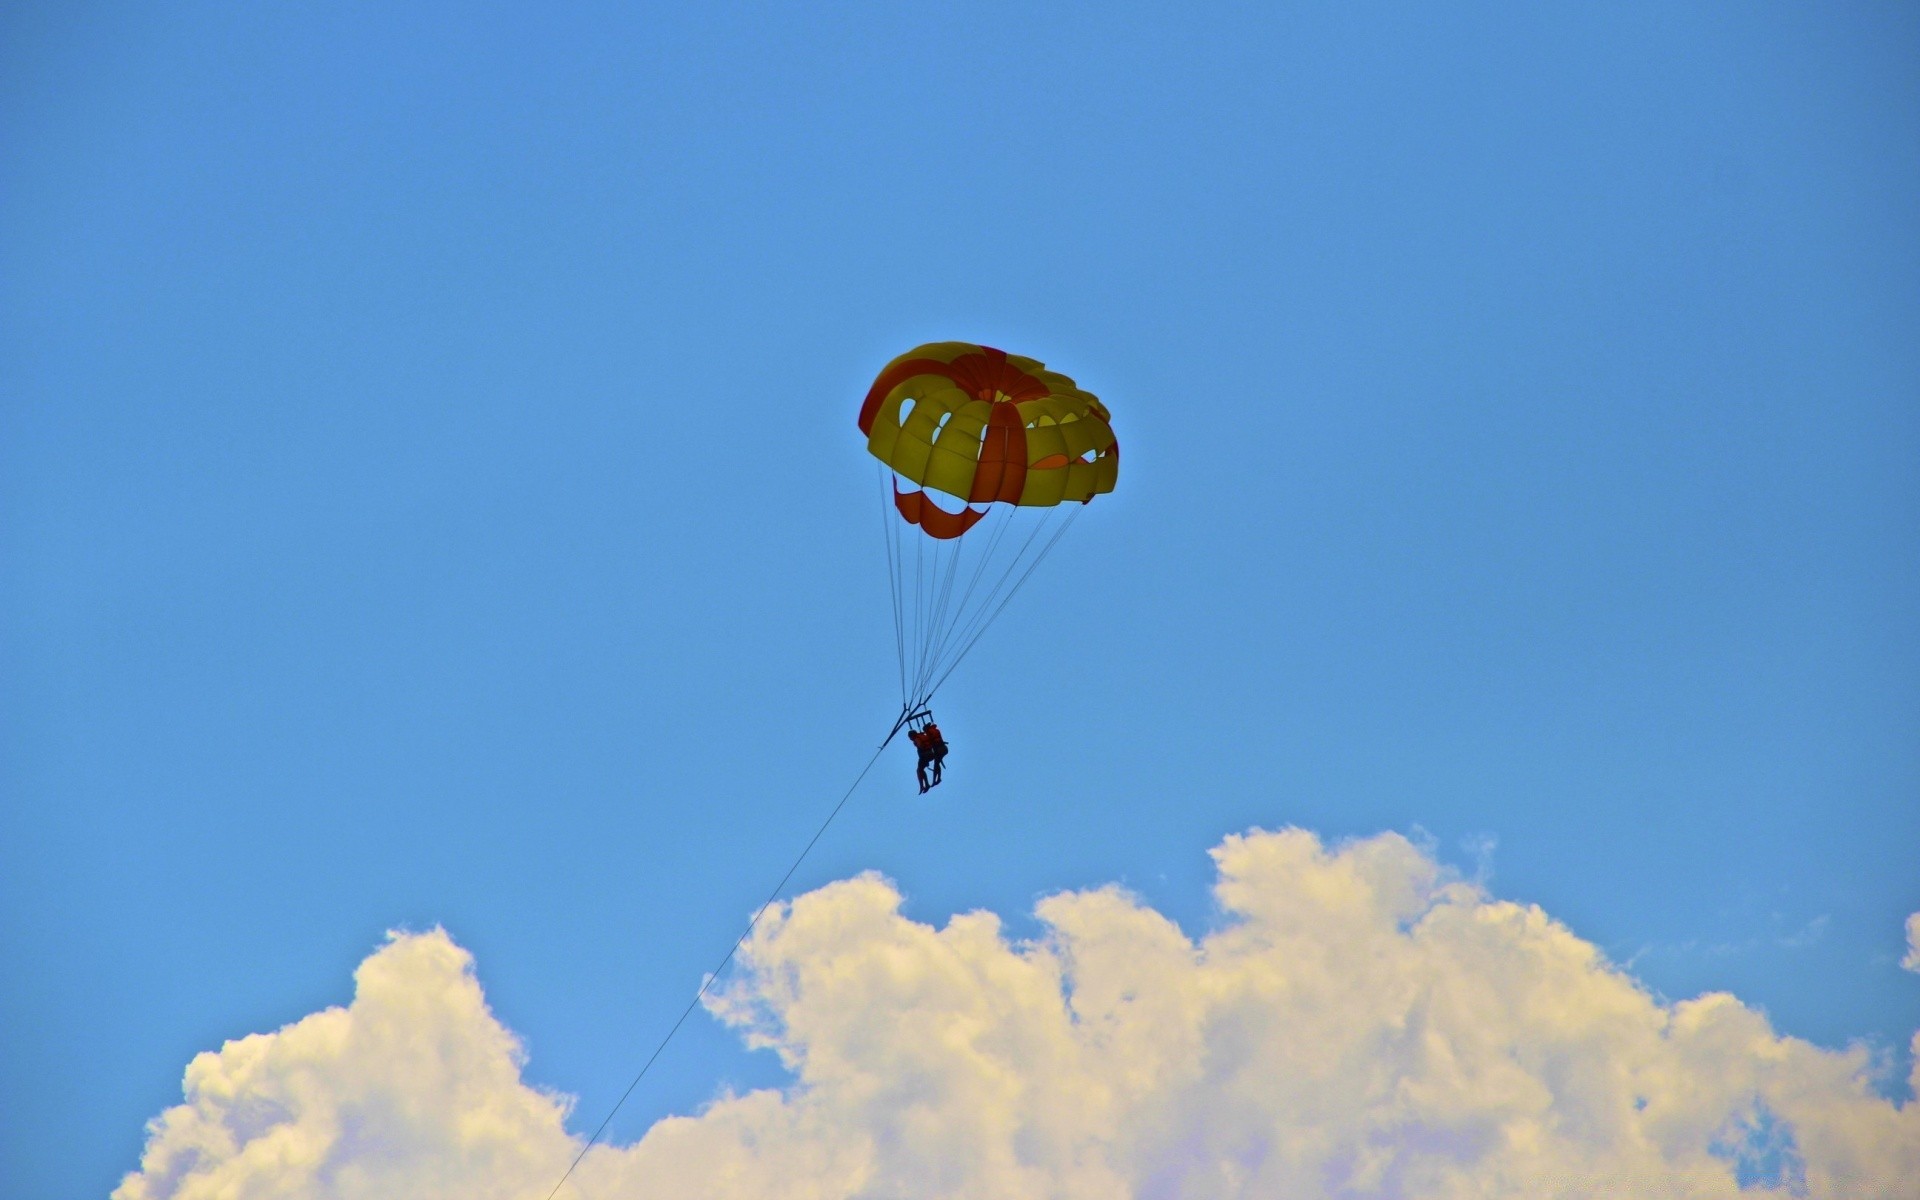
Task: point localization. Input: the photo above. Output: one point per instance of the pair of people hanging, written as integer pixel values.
(932, 747)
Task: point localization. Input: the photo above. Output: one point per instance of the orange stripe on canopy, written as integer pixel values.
(1002, 471)
(892, 378)
(919, 510)
(987, 372)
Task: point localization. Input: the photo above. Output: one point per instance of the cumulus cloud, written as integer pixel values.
(1912, 961)
(413, 1090)
(1361, 1024)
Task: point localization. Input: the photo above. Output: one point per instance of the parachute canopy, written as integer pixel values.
(983, 426)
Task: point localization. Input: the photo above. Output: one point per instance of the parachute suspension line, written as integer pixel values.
(923, 602)
(969, 630)
(937, 627)
(959, 588)
(938, 554)
(919, 593)
(1022, 582)
(942, 559)
(714, 976)
(890, 534)
(945, 556)
(900, 554)
(990, 611)
(985, 557)
(909, 618)
(948, 558)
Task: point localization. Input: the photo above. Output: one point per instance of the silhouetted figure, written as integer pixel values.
(924, 746)
(935, 750)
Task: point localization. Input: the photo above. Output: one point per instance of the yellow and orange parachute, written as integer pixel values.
(988, 429)
(984, 426)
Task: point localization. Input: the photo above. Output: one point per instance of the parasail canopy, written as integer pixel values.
(983, 426)
(973, 431)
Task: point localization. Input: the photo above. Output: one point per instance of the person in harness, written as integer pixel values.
(931, 748)
(934, 750)
(925, 751)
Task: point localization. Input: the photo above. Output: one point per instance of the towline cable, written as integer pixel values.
(906, 714)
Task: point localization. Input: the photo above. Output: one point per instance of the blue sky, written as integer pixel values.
(432, 494)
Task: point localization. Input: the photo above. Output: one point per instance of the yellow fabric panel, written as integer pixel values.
(886, 431)
(1044, 488)
(921, 423)
(1082, 436)
(909, 457)
(1045, 440)
(967, 412)
(1051, 411)
(906, 445)
(938, 445)
(951, 472)
(891, 440)
(955, 441)
(1082, 429)
(1100, 475)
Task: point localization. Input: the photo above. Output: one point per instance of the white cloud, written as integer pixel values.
(1912, 961)
(1363, 1024)
(414, 1090)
